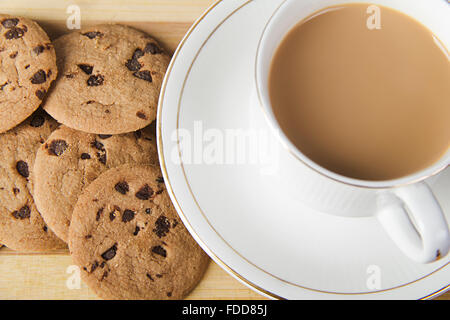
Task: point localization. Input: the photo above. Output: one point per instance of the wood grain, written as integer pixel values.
(51, 275)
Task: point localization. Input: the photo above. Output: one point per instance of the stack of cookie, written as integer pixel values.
(85, 171)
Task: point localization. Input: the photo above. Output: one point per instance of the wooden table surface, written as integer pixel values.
(51, 275)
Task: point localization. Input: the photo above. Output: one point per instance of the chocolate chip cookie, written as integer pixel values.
(128, 240)
(109, 80)
(27, 68)
(21, 225)
(69, 160)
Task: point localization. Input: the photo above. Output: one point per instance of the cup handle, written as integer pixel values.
(413, 218)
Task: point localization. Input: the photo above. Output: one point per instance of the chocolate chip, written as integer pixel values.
(141, 115)
(152, 48)
(101, 157)
(110, 253)
(9, 23)
(136, 231)
(144, 193)
(159, 275)
(112, 215)
(85, 156)
(160, 251)
(90, 102)
(149, 276)
(16, 191)
(3, 85)
(45, 228)
(98, 145)
(14, 33)
(94, 266)
(148, 211)
(104, 136)
(22, 213)
(160, 180)
(174, 223)
(22, 168)
(133, 65)
(39, 77)
(57, 147)
(105, 274)
(13, 55)
(99, 214)
(27, 66)
(88, 237)
(70, 76)
(138, 134)
(144, 75)
(92, 34)
(38, 49)
(169, 294)
(162, 226)
(40, 94)
(95, 81)
(122, 187)
(37, 121)
(127, 215)
(137, 54)
(86, 68)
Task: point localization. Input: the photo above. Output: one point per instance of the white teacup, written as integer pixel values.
(406, 207)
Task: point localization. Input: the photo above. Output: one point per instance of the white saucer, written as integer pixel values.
(244, 216)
